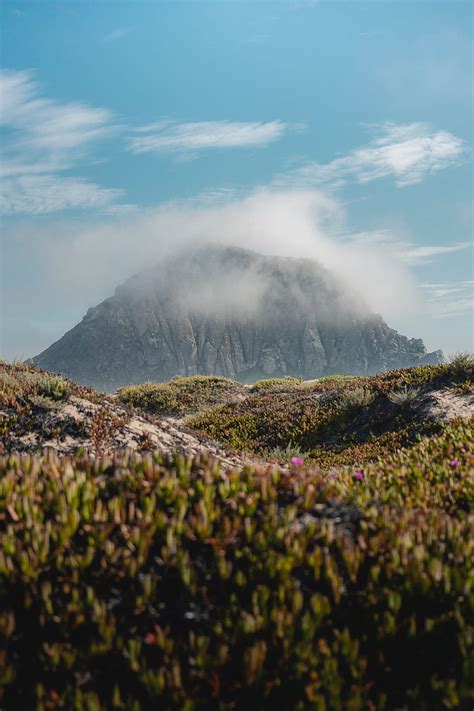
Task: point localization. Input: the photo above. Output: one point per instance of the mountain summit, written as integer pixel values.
(229, 311)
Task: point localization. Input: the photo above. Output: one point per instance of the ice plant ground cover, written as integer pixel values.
(132, 582)
(329, 422)
(139, 581)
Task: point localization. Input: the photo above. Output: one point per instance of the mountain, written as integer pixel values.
(229, 311)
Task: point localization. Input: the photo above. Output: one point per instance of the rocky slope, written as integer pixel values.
(232, 312)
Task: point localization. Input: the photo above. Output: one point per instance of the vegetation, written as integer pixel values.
(275, 384)
(28, 396)
(139, 583)
(181, 396)
(358, 397)
(20, 384)
(335, 421)
(462, 363)
(342, 580)
(337, 378)
(404, 396)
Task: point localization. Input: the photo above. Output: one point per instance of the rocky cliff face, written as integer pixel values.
(231, 312)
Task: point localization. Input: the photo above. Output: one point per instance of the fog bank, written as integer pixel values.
(79, 263)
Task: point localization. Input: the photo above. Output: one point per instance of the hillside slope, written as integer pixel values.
(331, 421)
(190, 581)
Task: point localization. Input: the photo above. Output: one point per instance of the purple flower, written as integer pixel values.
(455, 463)
(359, 475)
(297, 461)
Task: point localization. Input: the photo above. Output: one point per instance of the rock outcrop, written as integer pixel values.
(229, 311)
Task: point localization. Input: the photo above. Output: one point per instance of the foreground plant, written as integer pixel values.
(136, 583)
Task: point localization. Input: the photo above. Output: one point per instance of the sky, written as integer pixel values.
(340, 131)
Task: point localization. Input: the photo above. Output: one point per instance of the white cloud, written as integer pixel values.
(420, 255)
(19, 166)
(449, 298)
(407, 153)
(166, 136)
(42, 138)
(41, 194)
(293, 223)
(401, 249)
(79, 263)
(41, 124)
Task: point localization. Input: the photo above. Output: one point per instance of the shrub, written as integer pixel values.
(338, 379)
(139, 583)
(357, 397)
(404, 396)
(19, 383)
(44, 403)
(316, 421)
(181, 396)
(275, 384)
(283, 454)
(9, 386)
(101, 429)
(53, 387)
(462, 364)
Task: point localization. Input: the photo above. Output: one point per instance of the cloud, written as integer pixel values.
(420, 255)
(43, 137)
(42, 194)
(168, 136)
(117, 34)
(41, 124)
(400, 249)
(79, 263)
(407, 153)
(86, 266)
(449, 298)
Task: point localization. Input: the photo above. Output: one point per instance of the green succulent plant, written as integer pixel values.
(140, 582)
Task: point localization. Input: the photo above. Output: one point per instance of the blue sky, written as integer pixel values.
(128, 126)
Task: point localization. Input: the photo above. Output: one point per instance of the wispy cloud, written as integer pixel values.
(407, 153)
(117, 34)
(42, 124)
(420, 255)
(41, 194)
(449, 298)
(168, 136)
(403, 250)
(43, 137)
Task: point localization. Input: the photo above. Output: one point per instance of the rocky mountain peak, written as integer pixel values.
(229, 311)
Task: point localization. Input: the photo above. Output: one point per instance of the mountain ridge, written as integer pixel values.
(233, 312)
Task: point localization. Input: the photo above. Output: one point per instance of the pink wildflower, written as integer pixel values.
(455, 463)
(359, 475)
(297, 461)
